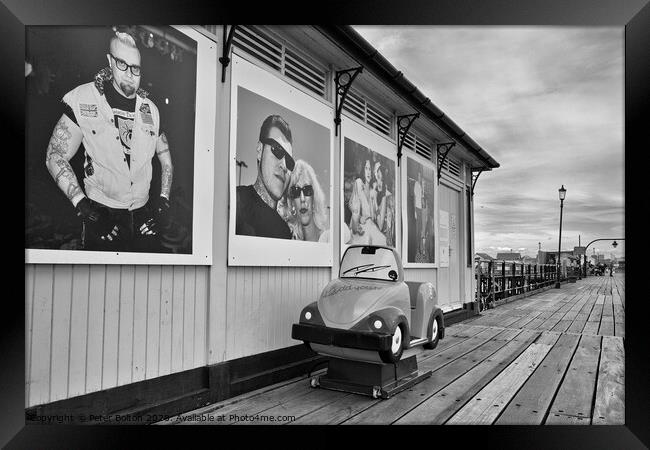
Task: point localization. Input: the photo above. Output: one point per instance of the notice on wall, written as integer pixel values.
(443, 229)
(453, 230)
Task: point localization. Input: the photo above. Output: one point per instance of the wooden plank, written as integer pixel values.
(140, 330)
(487, 404)
(609, 408)
(125, 336)
(575, 395)
(165, 342)
(445, 356)
(154, 299)
(606, 326)
(565, 419)
(201, 317)
(78, 330)
(523, 321)
(562, 326)
(571, 315)
(534, 324)
(95, 328)
(595, 314)
(338, 411)
(548, 324)
(393, 408)
(111, 326)
(189, 316)
(177, 322)
(61, 309)
(252, 405)
(532, 401)
(576, 326)
(619, 329)
(29, 321)
(591, 328)
(619, 313)
(296, 407)
(437, 408)
(39, 382)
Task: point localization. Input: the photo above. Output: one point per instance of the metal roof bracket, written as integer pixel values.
(343, 80)
(227, 42)
(448, 146)
(403, 125)
(474, 179)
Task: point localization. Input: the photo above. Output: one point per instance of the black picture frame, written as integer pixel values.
(633, 15)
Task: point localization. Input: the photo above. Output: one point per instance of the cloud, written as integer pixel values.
(546, 102)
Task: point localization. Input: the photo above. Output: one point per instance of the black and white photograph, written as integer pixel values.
(420, 231)
(369, 193)
(326, 224)
(281, 178)
(110, 140)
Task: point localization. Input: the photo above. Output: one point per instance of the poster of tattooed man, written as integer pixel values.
(110, 139)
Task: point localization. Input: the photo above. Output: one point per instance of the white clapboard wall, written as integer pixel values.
(94, 327)
(263, 303)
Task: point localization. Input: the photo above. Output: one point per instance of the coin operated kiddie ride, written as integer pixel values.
(371, 324)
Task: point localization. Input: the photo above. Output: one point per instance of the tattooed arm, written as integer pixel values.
(64, 143)
(166, 168)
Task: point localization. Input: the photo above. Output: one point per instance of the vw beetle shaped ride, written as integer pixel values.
(371, 310)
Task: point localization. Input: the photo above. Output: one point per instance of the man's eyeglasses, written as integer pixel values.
(295, 191)
(122, 65)
(279, 152)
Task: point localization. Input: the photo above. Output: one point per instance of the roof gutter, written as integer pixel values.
(351, 41)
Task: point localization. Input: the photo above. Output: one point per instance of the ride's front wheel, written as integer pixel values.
(396, 348)
(435, 335)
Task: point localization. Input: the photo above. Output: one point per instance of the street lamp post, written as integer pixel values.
(614, 244)
(562, 193)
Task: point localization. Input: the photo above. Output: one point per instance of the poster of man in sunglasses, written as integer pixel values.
(110, 139)
(282, 192)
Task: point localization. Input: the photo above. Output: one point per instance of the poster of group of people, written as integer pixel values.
(369, 196)
(280, 172)
(111, 133)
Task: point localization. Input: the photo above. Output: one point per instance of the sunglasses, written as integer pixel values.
(279, 152)
(122, 65)
(295, 191)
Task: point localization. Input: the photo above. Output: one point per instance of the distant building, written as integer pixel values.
(483, 257)
(509, 257)
(529, 260)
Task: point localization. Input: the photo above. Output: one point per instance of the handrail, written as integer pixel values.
(499, 279)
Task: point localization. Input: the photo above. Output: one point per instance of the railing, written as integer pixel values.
(496, 280)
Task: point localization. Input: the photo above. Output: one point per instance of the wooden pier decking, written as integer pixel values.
(556, 357)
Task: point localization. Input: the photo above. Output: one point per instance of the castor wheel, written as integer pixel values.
(314, 382)
(376, 392)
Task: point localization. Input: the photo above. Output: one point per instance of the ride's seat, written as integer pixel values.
(414, 286)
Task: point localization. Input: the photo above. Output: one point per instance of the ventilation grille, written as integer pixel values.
(366, 111)
(451, 167)
(418, 145)
(268, 50)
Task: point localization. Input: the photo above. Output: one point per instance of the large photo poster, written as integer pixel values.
(418, 191)
(368, 207)
(117, 160)
(280, 173)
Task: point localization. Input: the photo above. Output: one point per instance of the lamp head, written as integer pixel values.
(562, 192)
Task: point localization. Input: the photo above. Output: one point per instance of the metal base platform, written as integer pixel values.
(373, 379)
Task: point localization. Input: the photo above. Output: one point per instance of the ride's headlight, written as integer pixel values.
(308, 315)
(377, 324)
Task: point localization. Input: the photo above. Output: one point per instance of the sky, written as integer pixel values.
(547, 103)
